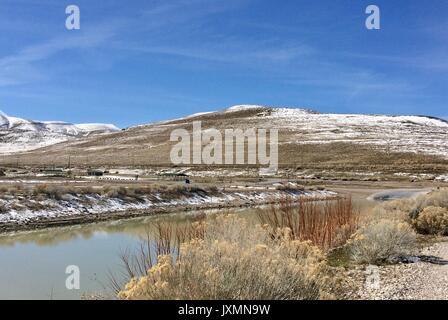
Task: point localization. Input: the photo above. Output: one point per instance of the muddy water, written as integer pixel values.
(33, 264)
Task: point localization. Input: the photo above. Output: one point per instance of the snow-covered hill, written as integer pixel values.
(306, 138)
(418, 134)
(17, 134)
(404, 133)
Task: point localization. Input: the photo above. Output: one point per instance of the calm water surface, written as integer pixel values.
(33, 264)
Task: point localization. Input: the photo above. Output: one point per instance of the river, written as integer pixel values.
(33, 263)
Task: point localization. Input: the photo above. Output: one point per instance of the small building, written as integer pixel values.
(52, 172)
(95, 173)
(174, 176)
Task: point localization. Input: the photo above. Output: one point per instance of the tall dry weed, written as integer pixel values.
(326, 223)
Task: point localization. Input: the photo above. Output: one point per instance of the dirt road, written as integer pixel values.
(426, 279)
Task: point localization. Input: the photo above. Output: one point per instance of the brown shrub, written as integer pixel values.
(86, 190)
(432, 220)
(40, 189)
(326, 223)
(3, 208)
(233, 261)
(290, 188)
(54, 192)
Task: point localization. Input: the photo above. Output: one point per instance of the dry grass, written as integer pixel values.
(409, 209)
(434, 199)
(326, 224)
(383, 241)
(129, 193)
(161, 239)
(232, 260)
(397, 210)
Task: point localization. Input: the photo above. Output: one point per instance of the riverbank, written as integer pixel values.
(28, 212)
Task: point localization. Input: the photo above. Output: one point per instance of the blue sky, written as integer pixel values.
(140, 61)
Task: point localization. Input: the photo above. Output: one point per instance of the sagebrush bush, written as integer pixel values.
(291, 188)
(432, 220)
(40, 189)
(382, 241)
(434, 199)
(3, 208)
(235, 261)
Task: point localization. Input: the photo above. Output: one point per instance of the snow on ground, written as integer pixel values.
(242, 107)
(396, 133)
(17, 135)
(442, 178)
(419, 134)
(92, 127)
(18, 211)
(198, 114)
(19, 141)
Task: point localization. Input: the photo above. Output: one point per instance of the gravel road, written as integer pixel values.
(426, 279)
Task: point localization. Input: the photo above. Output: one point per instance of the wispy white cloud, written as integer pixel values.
(175, 13)
(352, 82)
(191, 8)
(428, 60)
(231, 52)
(180, 29)
(23, 67)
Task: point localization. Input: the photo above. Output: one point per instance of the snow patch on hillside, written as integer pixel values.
(92, 127)
(18, 135)
(417, 134)
(243, 107)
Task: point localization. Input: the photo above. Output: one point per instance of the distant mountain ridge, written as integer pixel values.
(17, 134)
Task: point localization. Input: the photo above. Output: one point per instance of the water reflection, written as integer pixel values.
(53, 236)
(136, 227)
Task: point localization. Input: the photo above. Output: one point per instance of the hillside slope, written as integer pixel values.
(18, 135)
(306, 139)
